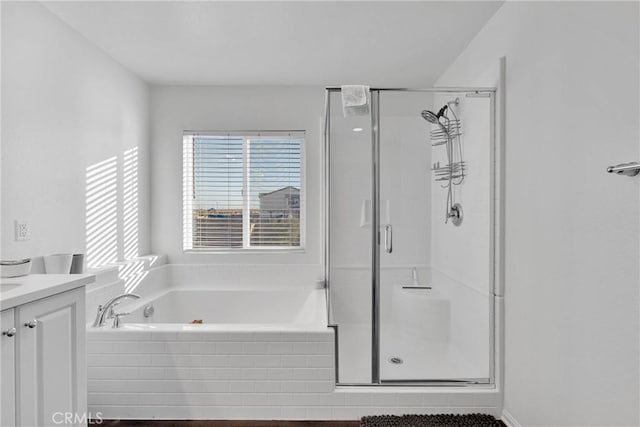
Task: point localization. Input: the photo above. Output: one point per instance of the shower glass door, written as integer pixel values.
(410, 294)
(409, 328)
(434, 276)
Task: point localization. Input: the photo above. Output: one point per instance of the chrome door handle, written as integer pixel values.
(388, 238)
(31, 324)
(10, 332)
(628, 169)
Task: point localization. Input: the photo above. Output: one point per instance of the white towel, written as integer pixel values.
(355, 100)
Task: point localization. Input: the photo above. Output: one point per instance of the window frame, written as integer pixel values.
(187, 188)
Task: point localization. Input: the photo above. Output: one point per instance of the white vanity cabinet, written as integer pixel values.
(49, 362)
(7, 369)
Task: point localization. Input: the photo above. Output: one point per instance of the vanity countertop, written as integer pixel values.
(16, 291)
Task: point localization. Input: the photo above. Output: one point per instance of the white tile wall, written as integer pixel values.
(244, 375)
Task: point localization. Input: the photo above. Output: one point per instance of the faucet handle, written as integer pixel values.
(116, 319)
(96, 322)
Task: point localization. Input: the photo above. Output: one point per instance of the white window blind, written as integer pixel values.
(243, 191)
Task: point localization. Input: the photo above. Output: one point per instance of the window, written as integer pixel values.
(243, 191)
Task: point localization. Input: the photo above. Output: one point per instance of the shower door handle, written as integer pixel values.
(388, 238)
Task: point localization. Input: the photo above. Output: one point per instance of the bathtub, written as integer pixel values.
(257, 354)
(231, 309)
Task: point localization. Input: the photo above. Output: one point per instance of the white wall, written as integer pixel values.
(175, 109)
(572, 232)
(66, 107)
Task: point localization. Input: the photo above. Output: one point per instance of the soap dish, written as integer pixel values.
(15, 268)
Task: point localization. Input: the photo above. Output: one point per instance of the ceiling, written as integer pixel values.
(391, 44)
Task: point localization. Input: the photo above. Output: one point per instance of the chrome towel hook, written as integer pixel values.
(628, 169)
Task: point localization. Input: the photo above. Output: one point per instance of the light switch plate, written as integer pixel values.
(23, 230)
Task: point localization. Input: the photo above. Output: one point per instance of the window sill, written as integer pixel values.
(243, 251)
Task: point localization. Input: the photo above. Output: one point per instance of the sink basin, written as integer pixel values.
(8, 286)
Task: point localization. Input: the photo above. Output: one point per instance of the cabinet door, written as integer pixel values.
(7, 370)
(51, 361)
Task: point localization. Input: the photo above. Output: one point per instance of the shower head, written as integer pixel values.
(432, 117)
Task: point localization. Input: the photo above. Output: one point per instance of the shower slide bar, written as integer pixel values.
(627, 169)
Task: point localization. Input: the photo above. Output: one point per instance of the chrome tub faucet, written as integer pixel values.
(106, 311)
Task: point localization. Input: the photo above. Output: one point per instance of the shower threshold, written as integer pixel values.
(481, 383)
(437, 382)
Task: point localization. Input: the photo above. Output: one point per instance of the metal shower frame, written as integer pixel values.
(496, 234)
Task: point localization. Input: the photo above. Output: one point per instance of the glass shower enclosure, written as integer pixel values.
(409, 275)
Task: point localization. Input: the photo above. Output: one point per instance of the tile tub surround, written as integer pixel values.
(142, 374)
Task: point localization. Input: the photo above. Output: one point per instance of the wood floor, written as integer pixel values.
(225, 423)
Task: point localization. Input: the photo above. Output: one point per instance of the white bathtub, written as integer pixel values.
(232, 309)
(252, 342)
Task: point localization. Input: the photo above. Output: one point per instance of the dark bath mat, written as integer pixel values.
(440, 420)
